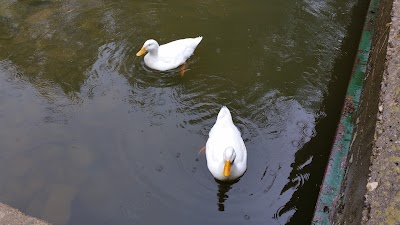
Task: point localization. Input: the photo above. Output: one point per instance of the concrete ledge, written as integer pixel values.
(382, 205)
(341, 199)
(351, 206)
(329, 203)
(11, 216)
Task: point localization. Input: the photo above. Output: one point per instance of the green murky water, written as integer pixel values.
(90, 135)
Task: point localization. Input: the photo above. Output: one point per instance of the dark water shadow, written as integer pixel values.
(223, 189)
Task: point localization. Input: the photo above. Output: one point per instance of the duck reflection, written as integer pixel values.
(223, 189)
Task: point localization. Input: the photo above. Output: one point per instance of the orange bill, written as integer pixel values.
(227, 168)
(141, 52)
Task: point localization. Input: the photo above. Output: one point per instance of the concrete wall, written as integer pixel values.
(351, 204)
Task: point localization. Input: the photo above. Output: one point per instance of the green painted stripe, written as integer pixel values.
(330, 190)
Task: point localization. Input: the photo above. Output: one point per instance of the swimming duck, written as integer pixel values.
(170, 55)
(225, 151)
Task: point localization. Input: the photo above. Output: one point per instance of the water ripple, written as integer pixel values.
(300, 180)
(282, 215)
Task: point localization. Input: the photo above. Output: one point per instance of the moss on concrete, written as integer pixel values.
(383, 204)
(375, 149)
(351, 202)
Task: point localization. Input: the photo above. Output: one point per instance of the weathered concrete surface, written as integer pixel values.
(374, 153)
(351, 203)
(11, 216)
(383, 203)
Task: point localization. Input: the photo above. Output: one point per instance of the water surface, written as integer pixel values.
(90, 135)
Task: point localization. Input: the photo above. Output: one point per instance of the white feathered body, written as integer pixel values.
(222, 135)
(172, 54)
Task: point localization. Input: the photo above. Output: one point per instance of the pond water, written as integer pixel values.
(90, 135)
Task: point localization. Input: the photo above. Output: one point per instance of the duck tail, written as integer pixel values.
(224, 115)
(198, 39)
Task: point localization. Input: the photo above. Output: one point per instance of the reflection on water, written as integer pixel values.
(92, 136)
(223, 189)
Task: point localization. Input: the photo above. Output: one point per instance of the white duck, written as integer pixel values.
(226, 153)
(170, 55)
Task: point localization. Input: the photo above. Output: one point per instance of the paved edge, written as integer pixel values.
(329, 199)
(382, 201)
(351, 203)
(370, 190)
(11, 216)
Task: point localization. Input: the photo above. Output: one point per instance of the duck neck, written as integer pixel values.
(154, 52)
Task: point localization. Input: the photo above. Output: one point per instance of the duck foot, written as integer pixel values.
(202, 150)
(183, 69)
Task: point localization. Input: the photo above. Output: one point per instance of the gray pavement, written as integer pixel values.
(11, 216)
(382, 204)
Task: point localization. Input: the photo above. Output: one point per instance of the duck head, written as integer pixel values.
(229, 157)
(149, 46)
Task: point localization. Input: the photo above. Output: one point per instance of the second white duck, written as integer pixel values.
(170, 55)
